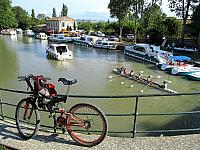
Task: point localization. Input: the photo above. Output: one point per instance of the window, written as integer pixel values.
(63, 24)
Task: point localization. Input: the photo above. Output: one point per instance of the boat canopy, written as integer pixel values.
(180, 58)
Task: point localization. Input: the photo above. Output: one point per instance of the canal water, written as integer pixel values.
(92, 68)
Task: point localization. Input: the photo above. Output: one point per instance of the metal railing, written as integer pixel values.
(135, 114)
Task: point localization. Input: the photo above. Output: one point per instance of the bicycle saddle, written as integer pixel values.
(66, 81)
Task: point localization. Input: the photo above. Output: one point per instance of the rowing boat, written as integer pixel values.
(144, 81)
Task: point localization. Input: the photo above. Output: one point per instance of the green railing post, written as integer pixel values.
(135, 116)
(2, 114)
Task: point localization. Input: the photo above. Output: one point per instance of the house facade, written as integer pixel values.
(59, 24)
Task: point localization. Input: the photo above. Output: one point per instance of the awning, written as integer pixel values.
(180, 58)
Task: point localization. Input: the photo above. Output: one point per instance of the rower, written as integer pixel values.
(149, 79)
(164, 86)
(125, 71)
(131, 73)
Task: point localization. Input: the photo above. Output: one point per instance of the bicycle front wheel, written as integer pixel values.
(87, 124)
(27, 118)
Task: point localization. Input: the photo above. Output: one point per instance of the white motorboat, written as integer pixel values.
(61, 38)
(105, 44)
(176, 61)
(194, 76)
(59, 52)
(147, 52)
(184, 71)
(41, 36)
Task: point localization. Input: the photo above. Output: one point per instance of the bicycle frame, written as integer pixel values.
(73, 117)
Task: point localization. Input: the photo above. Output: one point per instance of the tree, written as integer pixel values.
(33, 19)
(22, 17)
(196, 22)
(181, 8)
(41, 18)
(74, 25)
(173, 27)
(64, 11)
(54, 12)
(7, 19)
(152, 23)
(119, 9)
(32, 14)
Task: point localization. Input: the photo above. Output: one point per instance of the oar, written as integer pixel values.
(124, 81)
(132, 85)
(110, 77)
(168, 81)
(144, 88)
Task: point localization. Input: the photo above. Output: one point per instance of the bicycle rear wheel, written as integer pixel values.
(87, 124)
(27, 118)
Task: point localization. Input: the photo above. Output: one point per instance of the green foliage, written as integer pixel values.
(7, 19)
(54, 12)
(64, 11)
(41, 19)
(173, 27)
(22, 17)
(87, 26)
(196, 21)
(152, 22)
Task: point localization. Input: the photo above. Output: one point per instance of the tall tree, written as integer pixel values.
(41, 18)
(54, 12)
(75, 25)
(64, 11)
(196, 22)
(22, 17)
(7, 19)
(119, 9)
(152, 22)
(32, 14)
(182, 8)
(33, 19)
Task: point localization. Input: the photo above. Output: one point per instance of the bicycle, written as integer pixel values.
(85, 123)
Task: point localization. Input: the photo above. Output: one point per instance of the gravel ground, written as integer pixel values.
(50, 141)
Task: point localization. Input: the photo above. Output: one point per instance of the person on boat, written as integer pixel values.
(120, 70)
(149, 80)
(125, 71)
(164, 86)
(131, 73)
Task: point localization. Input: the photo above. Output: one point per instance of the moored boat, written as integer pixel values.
(175, 61)
(145, 81)
(41, 36)
(59, 52)
(184, 71)
(147, 52)
(194, 76)
(106, 44)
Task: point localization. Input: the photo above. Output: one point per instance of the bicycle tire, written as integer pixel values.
(91, 116)
(29, 121)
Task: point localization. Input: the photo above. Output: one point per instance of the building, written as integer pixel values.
(59, 24)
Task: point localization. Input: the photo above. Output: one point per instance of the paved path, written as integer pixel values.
(50, 141)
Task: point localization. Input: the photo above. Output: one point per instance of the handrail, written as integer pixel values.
(135, 113)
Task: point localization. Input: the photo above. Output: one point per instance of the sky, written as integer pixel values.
(77, 9)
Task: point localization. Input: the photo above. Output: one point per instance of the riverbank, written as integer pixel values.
(47, 140)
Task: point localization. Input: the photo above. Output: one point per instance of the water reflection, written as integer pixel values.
(8, 61)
